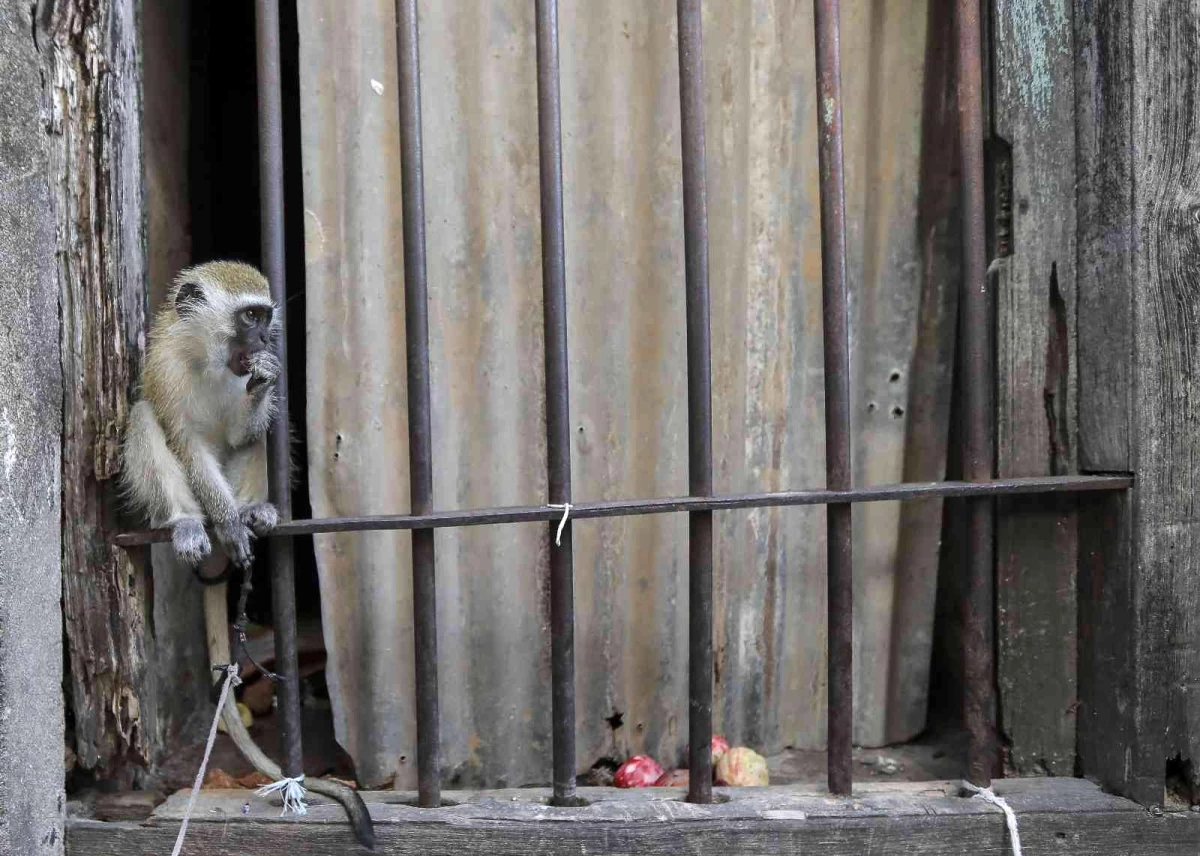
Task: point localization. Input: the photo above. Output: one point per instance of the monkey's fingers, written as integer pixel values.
(260, 517)
(257, 382)
(190, 541)
(235, 541)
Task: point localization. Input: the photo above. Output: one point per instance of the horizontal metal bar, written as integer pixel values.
(668, 505)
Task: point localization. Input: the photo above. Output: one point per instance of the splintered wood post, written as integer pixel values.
(1032, 168)
(94, 137)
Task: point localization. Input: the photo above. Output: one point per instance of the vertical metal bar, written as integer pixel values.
(283, 585)
(558, 426)
(977, 381)
(836, 317)
(700, 523)
(420, 435)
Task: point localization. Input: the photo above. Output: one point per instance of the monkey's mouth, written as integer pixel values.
(239, 362)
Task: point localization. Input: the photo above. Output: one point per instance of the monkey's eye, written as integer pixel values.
(248, 317)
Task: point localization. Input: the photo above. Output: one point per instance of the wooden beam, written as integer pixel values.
(1121, 739)
(1064, 816)
(1104, 232)
(92, 74)
(1166, 277)
(1113, 747)
(1033, 200)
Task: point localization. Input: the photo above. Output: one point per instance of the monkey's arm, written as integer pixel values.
(216, 497)
(258, 408)
(154, 481)
(247, 472)
(151, 476)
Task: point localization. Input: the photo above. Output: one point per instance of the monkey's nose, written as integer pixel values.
(262, 338)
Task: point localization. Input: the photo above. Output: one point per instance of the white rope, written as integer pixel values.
(230, 678)
(293, 794)
(1010, 816)
(566, 507)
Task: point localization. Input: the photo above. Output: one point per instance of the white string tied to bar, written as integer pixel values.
(566, 507)
(1010, 816)
(293, 794)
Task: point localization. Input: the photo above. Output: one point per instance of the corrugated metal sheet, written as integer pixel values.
(628, 390)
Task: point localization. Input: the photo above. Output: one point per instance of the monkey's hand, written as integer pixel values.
(264, 371)
(261, 517)
(234, 536)
(190, 541)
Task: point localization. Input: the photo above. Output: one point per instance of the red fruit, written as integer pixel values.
(640, 771)
(673, 779)
(719, 747)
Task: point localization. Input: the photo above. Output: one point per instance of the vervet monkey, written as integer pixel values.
(195, 446)
(195, 451)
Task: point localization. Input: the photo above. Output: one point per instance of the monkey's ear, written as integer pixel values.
(188, 298)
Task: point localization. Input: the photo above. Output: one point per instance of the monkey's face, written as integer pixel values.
(225, 316)
(252, 333)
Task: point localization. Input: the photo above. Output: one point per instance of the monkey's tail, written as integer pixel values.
(356, 809)
(218, 652)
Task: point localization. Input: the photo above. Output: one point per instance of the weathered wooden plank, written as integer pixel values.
(1067, 816)
(91, 68)
(871, 799)
(1166, 277)
(1111, 747)
(1104, 232)
(1034, 217)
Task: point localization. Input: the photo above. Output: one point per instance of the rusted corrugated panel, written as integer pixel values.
(628, 392)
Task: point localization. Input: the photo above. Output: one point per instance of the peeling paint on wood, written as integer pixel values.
(1033, 164)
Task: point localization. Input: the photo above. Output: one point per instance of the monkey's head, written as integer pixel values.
(226, 309)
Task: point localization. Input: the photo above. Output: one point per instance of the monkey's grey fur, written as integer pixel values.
(195, 446)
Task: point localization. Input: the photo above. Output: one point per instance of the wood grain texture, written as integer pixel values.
(1104, 232)
(1114, 747)
(93, 102)
(1067, 816)
(1034, 225)
(1111, 746)
(1166, 153)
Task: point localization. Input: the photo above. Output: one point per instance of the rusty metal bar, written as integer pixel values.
(283, 584)
(700, 523)
(976, 378)
(672, 504)
(558, 425)
(420, 433)
(836, 316)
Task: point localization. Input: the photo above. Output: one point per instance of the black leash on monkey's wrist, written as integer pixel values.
(241, 643)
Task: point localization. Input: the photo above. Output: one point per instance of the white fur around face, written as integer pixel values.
(195, 408)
